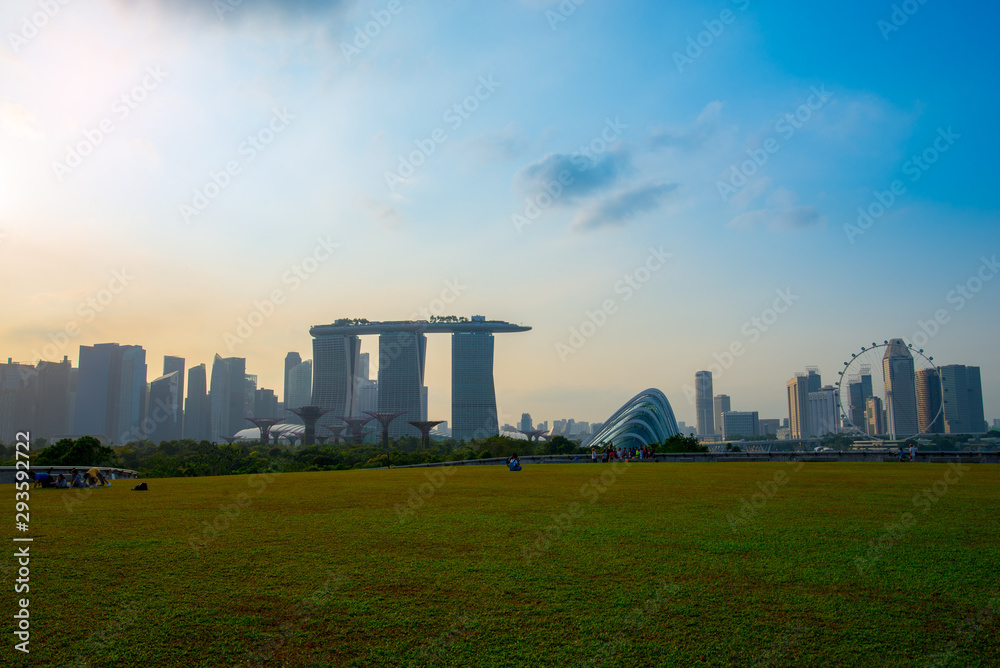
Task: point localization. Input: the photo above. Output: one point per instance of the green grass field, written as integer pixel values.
(651, 566)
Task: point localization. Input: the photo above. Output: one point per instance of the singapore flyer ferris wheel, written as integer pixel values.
(890, 391)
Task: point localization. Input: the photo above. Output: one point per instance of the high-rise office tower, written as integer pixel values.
(171, 364)
(900, 390)
(721, 404)
(111, 392)
(366, 400)
(364, 366)
(526, 424)
(874, 417)
(962, 398)
(227, 397)
(53, 405)
(703, 406)
(859, 389)
(299, 390)
(823, 415)
(335, 366)
(401, 358)
(768, 426)
(265, 404)
(132, 411)
(164, 405)
(798, 406)
(18, 383)
(473, 394)
(930, 419)
(197, 409)
(815, 381)
(292, 360)
(740, 423)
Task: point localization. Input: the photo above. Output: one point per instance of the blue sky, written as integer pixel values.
(539, 92)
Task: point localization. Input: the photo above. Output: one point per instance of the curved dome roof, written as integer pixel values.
(645, 419)
(282, 429)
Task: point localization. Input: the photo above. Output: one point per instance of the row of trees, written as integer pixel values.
(192, 458)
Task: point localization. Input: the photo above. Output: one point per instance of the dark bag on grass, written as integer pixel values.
(141, 487)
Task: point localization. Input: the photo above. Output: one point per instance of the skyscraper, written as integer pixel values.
(473, 395)
(962, 397)
(930, 419)
(721, 404)
(171, 364)
(164, 406)
(197, 410)
(900, 390)
(52, 408)
(815, 381)
(227, 397)
(298, 389)
(292, 360)
(335, 365)
(823, 414)
(401, 357)
(874, 417)
(740, 423)
(859, 389)
(526, 424)
(111, 392)
(703, 406)
(798, 406)
(18, 384)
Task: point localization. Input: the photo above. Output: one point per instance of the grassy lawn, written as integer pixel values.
(652, 566)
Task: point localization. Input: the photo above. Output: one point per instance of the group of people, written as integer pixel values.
(611, 453)
(912, 457)
(92, 478)
(512, 463)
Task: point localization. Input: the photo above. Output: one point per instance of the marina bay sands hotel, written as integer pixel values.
(402, 347)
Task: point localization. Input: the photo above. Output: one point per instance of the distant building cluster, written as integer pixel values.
(942, 400)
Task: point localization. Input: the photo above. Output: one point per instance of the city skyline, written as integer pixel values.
(623, 199)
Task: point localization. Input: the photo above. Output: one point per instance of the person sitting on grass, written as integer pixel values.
(42, 479)
(512, 463)
(77, 479)
(97, 479)
(61, 482)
